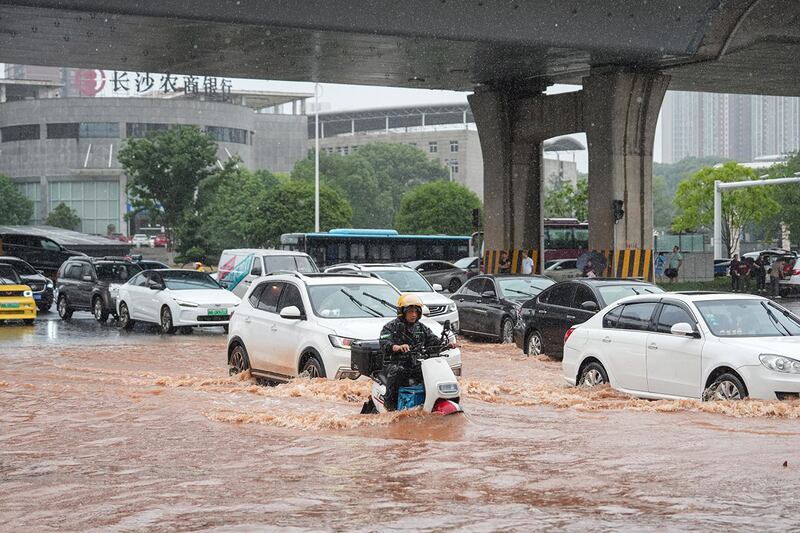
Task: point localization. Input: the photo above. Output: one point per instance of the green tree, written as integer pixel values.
(165, 169)
(788, 197)
(289, 208)
(568, 201)
(663, 208)
(695, 199)
(398, 168)
(437, 207)
(354, 177)
(65, 217)
(15, 209)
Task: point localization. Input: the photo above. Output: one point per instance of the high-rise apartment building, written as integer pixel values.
(740, 127)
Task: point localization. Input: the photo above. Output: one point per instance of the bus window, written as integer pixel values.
(357, 252)
(582, 238)
(378, 252)
(405, 252)
(558, 238)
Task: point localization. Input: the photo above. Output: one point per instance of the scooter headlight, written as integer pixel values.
(448, 388)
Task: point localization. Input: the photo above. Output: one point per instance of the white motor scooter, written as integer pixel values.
(442, 391)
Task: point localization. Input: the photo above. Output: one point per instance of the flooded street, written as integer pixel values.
(103, 429)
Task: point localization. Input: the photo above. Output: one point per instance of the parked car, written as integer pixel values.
(91, 284)
(442, 273)
(41, 285)
(562, 269)
(406, 279)
(290, 324)
(239, 268)
(42, 253)
(489, 305)
(689, 345)
(16, 298)
(140, 239)
(175, 298)
(160, 241)
(471, 264)
(722, 267)
(544, 320)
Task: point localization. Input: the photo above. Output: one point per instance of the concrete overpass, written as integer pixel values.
(625, 53)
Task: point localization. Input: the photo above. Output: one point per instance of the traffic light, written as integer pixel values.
(476, 218)
(618, 212)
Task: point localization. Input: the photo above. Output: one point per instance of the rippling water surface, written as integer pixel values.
(100, 429)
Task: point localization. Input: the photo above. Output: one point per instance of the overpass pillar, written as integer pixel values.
(512, 175)
(620, 110)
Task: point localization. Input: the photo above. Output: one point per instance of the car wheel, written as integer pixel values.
(506, 331)
(312, 368)
(100, 314)
(64, 311)
(167, 327)
(454, 285)
(593, 375)
(125, 321)
(239, 361)
(726, 387)
(535, 344)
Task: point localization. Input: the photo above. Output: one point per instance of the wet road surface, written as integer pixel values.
(101, 429)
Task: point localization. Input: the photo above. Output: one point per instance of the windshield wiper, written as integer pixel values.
(775, 319)
(519, 292)
(381, 300)
(361, 304)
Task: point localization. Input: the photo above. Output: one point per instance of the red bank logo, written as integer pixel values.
(89, 82)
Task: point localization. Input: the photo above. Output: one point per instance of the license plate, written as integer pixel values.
(10, 306)
(37, 296)
(217, 312)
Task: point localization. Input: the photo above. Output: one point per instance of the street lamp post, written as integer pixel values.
(316, 157)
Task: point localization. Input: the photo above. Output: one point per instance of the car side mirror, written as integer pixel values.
(589, 305)
(684, 329)
(488, 294)
(437, 287)
(291, 312)
(156, 287)
(86, 278)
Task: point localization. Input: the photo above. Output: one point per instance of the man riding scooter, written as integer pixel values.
(398, 339)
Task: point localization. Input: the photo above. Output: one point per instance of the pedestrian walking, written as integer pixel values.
(661, 263)
(505, 263)
(759, 272)
(733, 271)
(527, 263)
(775, 277)
(675, 263)
(744, 274)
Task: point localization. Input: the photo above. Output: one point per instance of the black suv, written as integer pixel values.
(90, 284)
(41, 286)
(44, 254)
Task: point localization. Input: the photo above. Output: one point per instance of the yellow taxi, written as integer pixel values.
(16, 299)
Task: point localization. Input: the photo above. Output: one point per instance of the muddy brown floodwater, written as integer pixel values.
(135, 432)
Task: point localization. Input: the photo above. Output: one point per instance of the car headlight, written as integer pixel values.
(779, 363)
(49, 284)
(450, 308)
(341, 342)
(27, 294)
(186, 304)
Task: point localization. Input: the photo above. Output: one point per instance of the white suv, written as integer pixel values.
(406, 279)
(290, 324)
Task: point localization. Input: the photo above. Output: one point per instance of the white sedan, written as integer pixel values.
(174, 298)
(689, 345)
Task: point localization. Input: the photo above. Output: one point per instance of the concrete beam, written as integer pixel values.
(542, 116)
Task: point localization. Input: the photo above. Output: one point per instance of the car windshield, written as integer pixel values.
(748, 318)
(353, 301)
(464, 262)
(116, 272)
(516, 288)
(612, 293)
(22, 268)
(178, 280)
(405, 280)
(8, 276)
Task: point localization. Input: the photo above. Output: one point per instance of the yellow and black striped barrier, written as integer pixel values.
(491, 260)
(627, 263)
